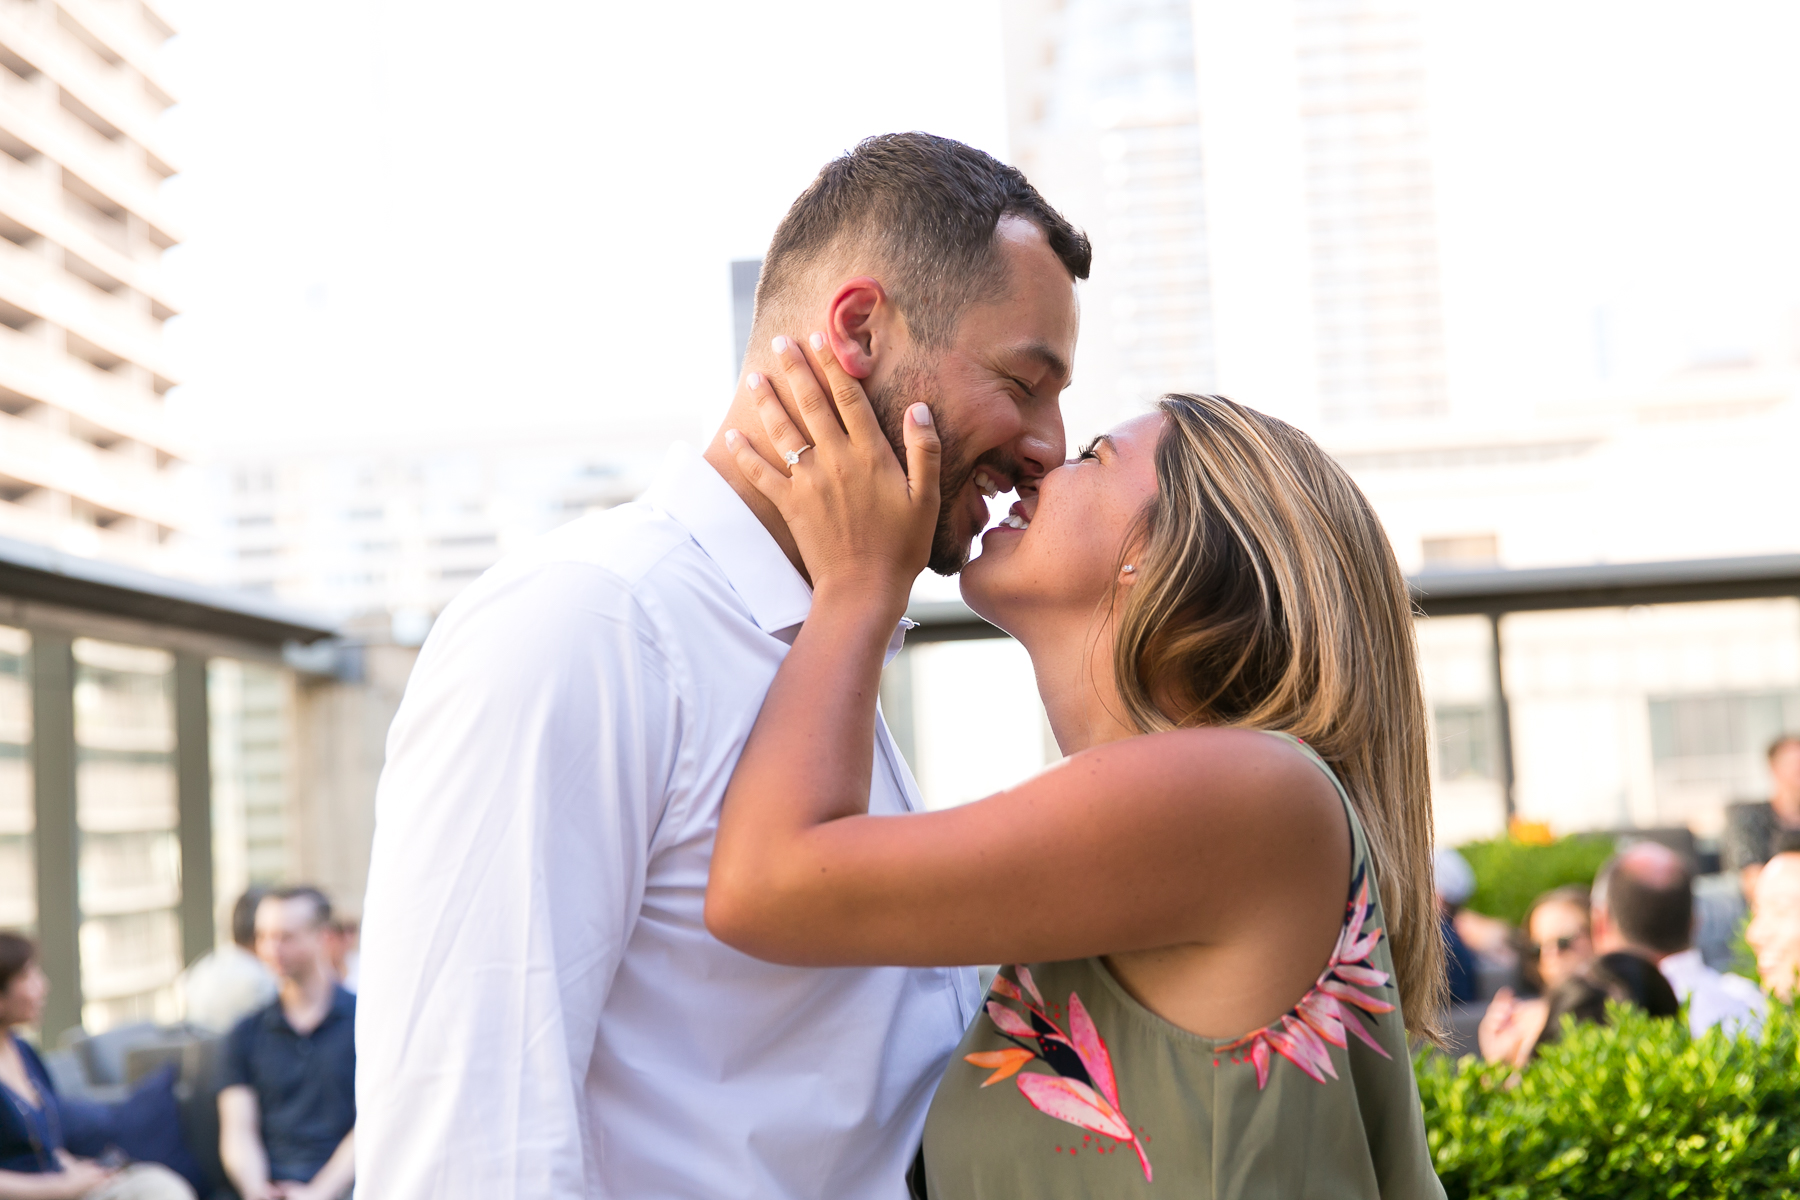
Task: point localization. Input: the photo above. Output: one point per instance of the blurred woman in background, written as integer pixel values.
(33, 1163)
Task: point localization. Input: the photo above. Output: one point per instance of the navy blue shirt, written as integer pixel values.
(30, 1135)
(305, 1084)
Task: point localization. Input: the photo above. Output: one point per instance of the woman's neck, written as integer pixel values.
(1074, 670)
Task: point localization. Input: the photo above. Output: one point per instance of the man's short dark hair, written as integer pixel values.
(931, 207)
(243, 916)
(321, 906)
(1656, 918)
(1785, 739)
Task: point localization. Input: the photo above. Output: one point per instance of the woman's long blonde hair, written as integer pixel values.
(1267, 597)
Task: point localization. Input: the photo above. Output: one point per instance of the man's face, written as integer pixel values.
(1774, 930)
(994, 391)
(289, 937)
(1784, 767)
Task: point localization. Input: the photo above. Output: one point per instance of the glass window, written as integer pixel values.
(18, 874)
(125, 806)
(251, 708)
(1464, 741)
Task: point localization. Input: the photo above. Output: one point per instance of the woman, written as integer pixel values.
(1560, 946)
(1224, 935)
(1620, 977)
(33, 1163)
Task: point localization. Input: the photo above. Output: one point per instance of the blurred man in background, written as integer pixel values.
(1774, 930)
(229, 982)
(287, 1114)
(1644, 905)
(1752, 830)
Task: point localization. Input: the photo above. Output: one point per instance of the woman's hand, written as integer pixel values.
(864, 526)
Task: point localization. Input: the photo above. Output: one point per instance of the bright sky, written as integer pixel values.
(406, 214)
(430, 213)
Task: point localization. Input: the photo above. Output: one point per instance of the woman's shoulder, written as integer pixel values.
(1240, 758)
(1242, 783)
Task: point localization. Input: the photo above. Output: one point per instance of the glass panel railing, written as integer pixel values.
(18, 865)
(130, 875)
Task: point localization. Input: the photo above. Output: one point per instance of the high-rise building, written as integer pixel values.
(398, 531)
(1258, 184)
(87, 459)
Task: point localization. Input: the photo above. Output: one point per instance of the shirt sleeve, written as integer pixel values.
(526, 772)
(234, 1069)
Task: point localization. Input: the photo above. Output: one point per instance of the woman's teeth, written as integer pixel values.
(1015, 522)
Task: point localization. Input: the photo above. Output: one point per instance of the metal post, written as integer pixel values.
(1502, 720)
(193, 789)
(58, 834)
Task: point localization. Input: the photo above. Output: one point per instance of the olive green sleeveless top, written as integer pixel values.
(1066, 1087)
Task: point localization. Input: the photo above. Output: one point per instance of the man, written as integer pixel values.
(1643, 903)
(1774, 929)
(1752, 830)
(544, 1014)
(287, 1113)
(227, 984)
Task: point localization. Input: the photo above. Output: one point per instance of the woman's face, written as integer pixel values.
(22, 1003)
(1066, 561)
(1564, 945)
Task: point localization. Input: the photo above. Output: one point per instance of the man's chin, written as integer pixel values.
(950, 549)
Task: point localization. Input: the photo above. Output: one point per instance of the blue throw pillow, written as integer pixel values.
(147, 1126)
(88, 1127)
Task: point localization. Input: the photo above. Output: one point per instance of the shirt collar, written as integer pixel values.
(691, 492)
(343, 1005)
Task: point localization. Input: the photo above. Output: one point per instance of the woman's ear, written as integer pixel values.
(857, 321)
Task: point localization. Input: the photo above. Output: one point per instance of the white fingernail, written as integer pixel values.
(779, 344)
(733, 439)
(921, 415)
(818, 341)
(753, 380)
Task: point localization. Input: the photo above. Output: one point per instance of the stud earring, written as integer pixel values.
(1128, 568)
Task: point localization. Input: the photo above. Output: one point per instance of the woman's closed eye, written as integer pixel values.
(1089, 451)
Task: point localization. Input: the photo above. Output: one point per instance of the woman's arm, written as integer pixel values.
(1152, 841)
(75, 1180)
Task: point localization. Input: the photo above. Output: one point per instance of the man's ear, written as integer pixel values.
(859, 320)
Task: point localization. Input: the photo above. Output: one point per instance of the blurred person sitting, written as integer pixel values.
(1752, 830)
(1559, 937)
(1644, 903)
(287, 1114)
(1455, 883)
(1519, 1028)
(1774, 929)
(341, 938)
(34, 1165)
(229, 982)
(1560, 946)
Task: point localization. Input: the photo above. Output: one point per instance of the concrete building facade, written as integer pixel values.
(88, 462)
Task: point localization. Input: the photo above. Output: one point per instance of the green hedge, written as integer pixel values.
(1509, 875)
(1635, 1110)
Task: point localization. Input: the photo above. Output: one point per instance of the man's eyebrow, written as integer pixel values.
(1040, 352)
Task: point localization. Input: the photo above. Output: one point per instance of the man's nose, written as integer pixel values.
(1042, 445)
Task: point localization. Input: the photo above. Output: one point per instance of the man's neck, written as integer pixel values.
(742, 417)
(306, 1001)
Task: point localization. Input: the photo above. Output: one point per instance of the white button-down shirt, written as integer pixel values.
(1713, 997)
(542, 1013)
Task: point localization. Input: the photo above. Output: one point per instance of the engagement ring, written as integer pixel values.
(793, 456)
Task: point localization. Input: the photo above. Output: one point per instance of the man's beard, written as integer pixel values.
(912, 384)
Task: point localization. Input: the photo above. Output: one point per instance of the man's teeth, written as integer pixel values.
(988, 485)
(1013, 521)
